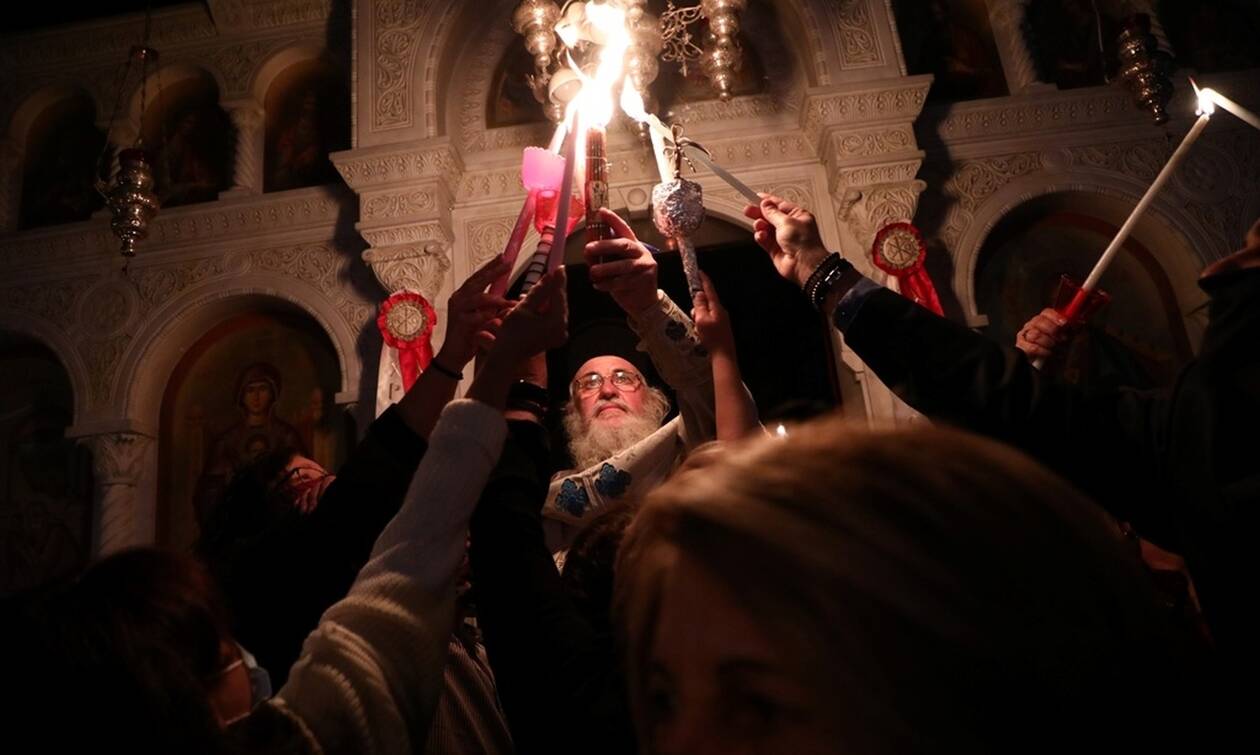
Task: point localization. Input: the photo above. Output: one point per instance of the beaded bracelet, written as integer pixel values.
(824, 277)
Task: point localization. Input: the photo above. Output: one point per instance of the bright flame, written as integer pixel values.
(781, 431)
(1207, 102)
(632, 103)
(607, 24)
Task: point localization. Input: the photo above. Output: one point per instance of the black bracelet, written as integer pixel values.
(823, 278)
(528, 397)
(442, 369)
(525, 405)
(527, 391)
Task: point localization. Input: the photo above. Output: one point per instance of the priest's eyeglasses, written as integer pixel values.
(624, 381)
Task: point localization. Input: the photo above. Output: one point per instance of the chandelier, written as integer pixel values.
(129, 192)
(562, 40)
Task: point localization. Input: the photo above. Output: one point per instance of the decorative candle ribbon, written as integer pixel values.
(899, 251)
(406, 321)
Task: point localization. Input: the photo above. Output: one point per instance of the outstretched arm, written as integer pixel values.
(735, 410)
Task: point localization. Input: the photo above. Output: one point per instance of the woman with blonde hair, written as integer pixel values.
(857, 591)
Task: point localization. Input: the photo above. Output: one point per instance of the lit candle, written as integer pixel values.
(1079, 301)
(596, 184)
(562, 208)
(632, 104)
(540, 170)
(1233, 107)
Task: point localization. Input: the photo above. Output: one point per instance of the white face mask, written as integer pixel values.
(259, 687)
(259, 679)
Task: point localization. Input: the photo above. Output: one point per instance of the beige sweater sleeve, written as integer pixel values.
(669, 338)
(370, 675)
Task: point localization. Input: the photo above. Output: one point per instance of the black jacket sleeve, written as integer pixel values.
(280, 582)
(1178, 463)
(557, 676)
(954, 375)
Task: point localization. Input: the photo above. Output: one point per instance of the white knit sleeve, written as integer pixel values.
(370, 675)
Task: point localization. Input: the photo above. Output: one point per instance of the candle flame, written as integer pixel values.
(1207, 101)
(632, 103)
(606, 25)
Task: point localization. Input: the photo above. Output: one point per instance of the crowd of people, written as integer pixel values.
(695, 584)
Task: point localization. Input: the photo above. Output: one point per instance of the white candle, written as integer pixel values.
(1078, 302)
(662, 162)
(1238, 110)
(564, 199)
(1170, 167)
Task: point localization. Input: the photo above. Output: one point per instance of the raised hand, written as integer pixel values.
(1041, 335)
(713, 326)
(622, 267)
(472, 315)
(539, 322)
(789, 234)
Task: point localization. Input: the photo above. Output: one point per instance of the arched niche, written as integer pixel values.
(1141, 337)
(62, 157)
(191, 137)
(307, 106)
(45, 477)
(259, 381)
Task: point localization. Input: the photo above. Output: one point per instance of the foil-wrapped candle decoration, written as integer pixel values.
(678, 211)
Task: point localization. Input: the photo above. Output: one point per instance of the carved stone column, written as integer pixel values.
(405, 196)
(117, 465)
(11, 167)
(865, 137)
(1006, 18)
(247, 172)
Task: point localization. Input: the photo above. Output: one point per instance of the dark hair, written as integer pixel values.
(125, 654)
(587, 575)
(251, 505)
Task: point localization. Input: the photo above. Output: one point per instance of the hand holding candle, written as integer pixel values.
(1075, 307)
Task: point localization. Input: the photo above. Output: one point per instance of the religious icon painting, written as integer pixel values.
(256, 384)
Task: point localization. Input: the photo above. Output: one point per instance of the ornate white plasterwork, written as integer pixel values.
(244, 16)
(396, 24)
(419, 267)
(365, 168)
(859, 45)
(1047, 112)
(218, 222)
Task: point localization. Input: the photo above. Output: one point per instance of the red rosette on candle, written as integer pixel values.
(899, 251)
(406, 321)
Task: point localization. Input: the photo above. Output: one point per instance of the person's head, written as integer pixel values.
(919, 590)
(587, 576)
(137, 650)
(611, 407)
(257, 388)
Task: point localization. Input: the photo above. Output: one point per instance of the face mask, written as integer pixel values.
(259, 679)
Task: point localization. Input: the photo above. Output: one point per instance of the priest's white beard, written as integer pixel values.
(591, 442)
